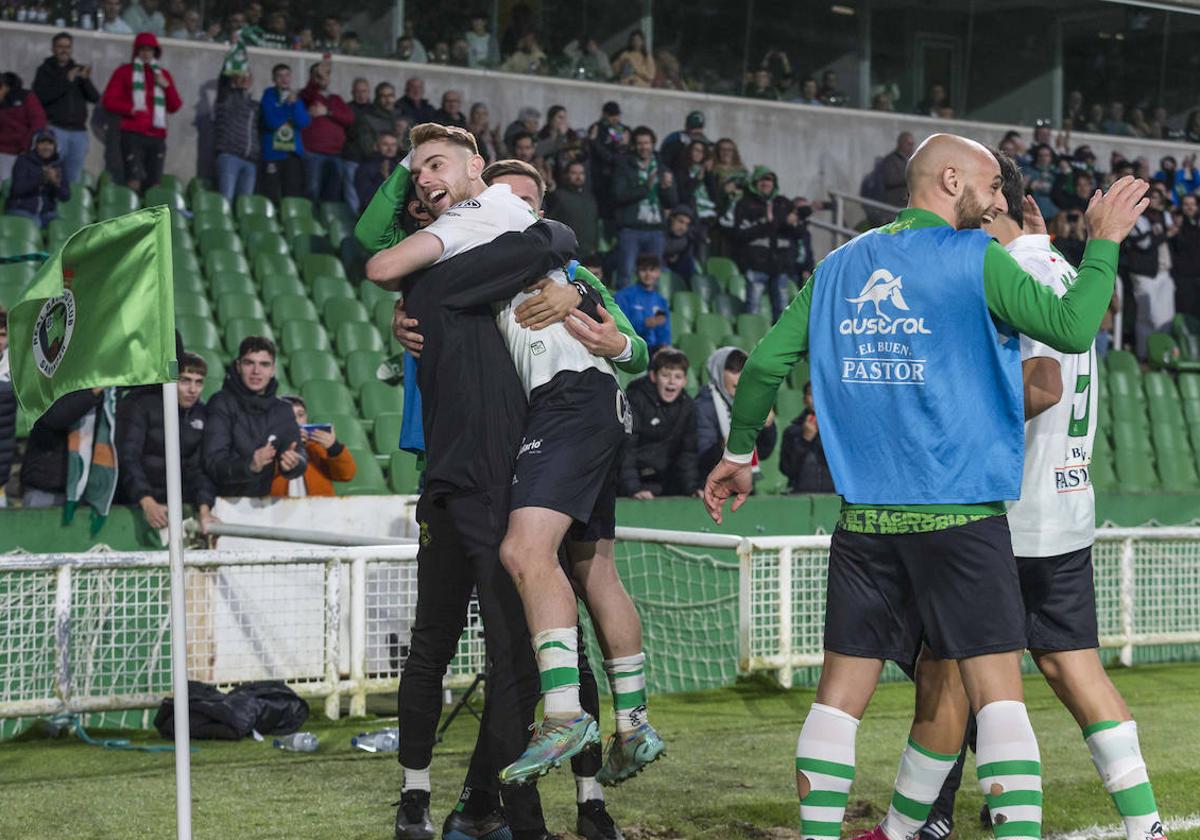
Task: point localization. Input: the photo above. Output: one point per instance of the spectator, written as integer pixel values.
(1069, 232)
(486, 137)
(527, 58)
(777, 63)
(325, 137)
(934, 101)
(276, 34)
(575, 206)
(589, 61)
(235, 133)
(328, 458)
(352, 155)
(555, 135)
(406, 50)
(64, 88)
(144, 16)
(608, 140)
(44, 466)
(642, 187)
(712, 410)
(451, 111)
(679, 248)
(674, 143)
(1115, 122)
(892, 168)
(1148, 257)
(762, 86)
(231, 33)
(8, 411)
(1191, 130)
(695, 183)
(766, 227)
(375, 170)
(114, 24)
(528, 121)
(1095, 119)
(728, 167)
(251, 433)
(809, 93)
(283, 118)
(659, 458)
(460, 53)
(524, 149)
(482, 48)
(645, 307)
(1185, 257)
(192, 28)
(1073, 189)
(419, 54)
(142, 94)
(801, 456)
(330, 39)
(882, 102)
(1139, 125)
(1040, 175)
(360, 96)
(402, 128)
(830, 93)
(38, 182)
(1179, 181)
(380, 118)
(669, 75)
(141, 443)
(21, 115)
(1074, 115)
(633, 65)
(414, 105)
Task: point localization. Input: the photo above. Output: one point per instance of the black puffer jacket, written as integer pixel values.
(65, 101)
(660, 455)
(8, 429)
(142, 448)
(803, 461)
(45, 464)
(239, 422)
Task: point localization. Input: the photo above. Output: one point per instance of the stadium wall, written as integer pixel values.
(813, 149)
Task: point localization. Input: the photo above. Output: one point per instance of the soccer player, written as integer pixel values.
(1053, 527)
(905, 323)
(565, 475)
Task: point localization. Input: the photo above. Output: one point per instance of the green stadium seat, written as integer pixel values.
(191, 304)
(265, 264)
(339, 210)
(185, 261)
(721, 269)
(1189, 386)
(685, 306)
(753, 327)
(232, 306)
(324, 397)
(736, 288)
(1186, 330)
(253, 205)
(116, 200)
(305, 365)
(169, 182)
(697, 348)
(712, 325)
(370, 294)
(58, 232)
(213, 221)
(164, 195)
(377, 397)
(295, 208)
(266, 242)
(727, 307)
(361, 366)
(218, 261)
(14, 277)
(276, 285)
(310, 243)
(196, 332)
(706, 287)
(1162, 351)
(669, 283)
(293, 228)
(215, 377)
(291, 307)
(385, 434)
(347, 429)
(238, 328)
(344, 310)
(1135, 471)
(181, 237)
(204, 202)
(382, 315)
(321, 265)
(337, 233)
(326, 287)
(1122, 361)
(368, 477)
(302, 335)
(16, 229)
(734, 340)
(354, 258)
(789, 404)
(189, 283)
(404, 477)
(259, 224)
(231, 283)
(352, 337)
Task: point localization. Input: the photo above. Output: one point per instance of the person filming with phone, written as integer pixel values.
(328, 459)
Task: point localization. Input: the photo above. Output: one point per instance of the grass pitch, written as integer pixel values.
(728, 774)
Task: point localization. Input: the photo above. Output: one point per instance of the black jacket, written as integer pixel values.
(660, 455)
(417, 112)
(240, 422)
(31, 191)
(8, 430)
(45, 464)
(142, 449)
(765, 245)
(577, 209)
(370, 176)
(472, 401)
(235, 122)
(65, 102)
(803, 461)
(709, 443)
(628, 192)
(1185, 249)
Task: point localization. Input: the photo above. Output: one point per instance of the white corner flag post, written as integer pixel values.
(179, 674)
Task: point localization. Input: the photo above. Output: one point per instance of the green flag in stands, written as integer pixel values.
(99, 312)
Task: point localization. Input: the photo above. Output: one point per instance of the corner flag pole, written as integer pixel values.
(179, 675)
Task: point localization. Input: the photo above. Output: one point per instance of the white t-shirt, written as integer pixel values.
(1057, 509)
(540, 354)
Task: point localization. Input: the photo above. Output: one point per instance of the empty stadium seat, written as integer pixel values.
(370, 294)
(218, 261)
(295, 227)
(302, 335)
(324, 397)
(230, 283)
(306, 365)
(712, 325)
(266, 242)
(231, 306)
(368, 477)
(205, 202)
(211, 220)
(238, 328)
(721, 269)
(253, 205)
(697, 348)
(196, 332)
(685, 306)
(382, 315)
(404, 477)
(354, 337)
(377, 397)
(115, 200)
(326, 287)
(727, 307)
(347, 429)
(189, 283)
(276, 285)
(291, 307)
(385, 435)
(753, 327)
(339, 210)
(163, 195)
(310, 243)
(344, 310)
(18, 231)
(1122, 361)
(361, 366)
(215, 239)
(706, 287)
(259, 224)
(295, 207)
(192, 304)
(321, 265)
(14, 277)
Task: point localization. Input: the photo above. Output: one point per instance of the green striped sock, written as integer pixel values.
(558, 665)
(825, 758)
(918, 783)
(627, 681)
(1010, 770)
(1118, 758)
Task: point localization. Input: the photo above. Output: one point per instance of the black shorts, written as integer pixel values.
(567, 462)
(143, 157)
(957, 589)
(1060, 601)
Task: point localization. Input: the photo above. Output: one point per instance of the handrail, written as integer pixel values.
(865, 202)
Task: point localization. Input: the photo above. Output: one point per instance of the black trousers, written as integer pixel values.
(142, 156)
(282, 178)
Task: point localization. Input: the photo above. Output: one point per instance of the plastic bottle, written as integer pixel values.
(381, 741)
(297, 742)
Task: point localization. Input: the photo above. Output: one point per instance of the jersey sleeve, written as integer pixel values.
(379, 226)
(638, 362)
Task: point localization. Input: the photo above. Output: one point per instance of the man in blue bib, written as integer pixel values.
(916, 375)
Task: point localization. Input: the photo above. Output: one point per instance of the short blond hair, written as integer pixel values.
(513, 167)
(431, 132)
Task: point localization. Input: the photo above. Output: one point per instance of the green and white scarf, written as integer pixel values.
(237, 62)
(649, 211)
(92, 462)
(139, 92)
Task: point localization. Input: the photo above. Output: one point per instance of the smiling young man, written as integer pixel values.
(923, 534)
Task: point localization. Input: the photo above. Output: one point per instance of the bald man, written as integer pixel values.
(916, 374)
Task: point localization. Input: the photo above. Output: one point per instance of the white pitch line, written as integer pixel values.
(1105, 832)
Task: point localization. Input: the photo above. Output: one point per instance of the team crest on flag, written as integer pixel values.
(52, 332)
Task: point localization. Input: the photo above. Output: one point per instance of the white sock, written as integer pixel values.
(825, 755)
(1010, 769)
(557, 652)
(1118, 759)
(918, 782)
(587, 788)
(416, 779)
(627, 682)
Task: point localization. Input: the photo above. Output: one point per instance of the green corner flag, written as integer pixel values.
(99, 312)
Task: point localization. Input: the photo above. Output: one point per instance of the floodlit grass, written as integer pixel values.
(728, 773)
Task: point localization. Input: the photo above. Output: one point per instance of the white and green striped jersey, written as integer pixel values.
(1057, 509)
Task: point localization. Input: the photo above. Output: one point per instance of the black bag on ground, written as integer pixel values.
(269, 707)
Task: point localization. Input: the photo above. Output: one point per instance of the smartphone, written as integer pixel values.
(316, 427)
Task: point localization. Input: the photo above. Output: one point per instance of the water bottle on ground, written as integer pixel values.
(297, 742)
(381, 741)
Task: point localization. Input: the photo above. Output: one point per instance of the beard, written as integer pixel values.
(969, 210)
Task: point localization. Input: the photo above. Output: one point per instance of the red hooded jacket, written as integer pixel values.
(118, 95)
(325, 135)
(21, 115)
